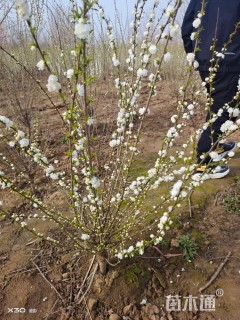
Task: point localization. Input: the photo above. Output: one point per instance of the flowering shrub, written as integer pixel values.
(106, 211)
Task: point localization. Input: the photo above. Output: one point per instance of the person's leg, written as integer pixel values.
(225, 85)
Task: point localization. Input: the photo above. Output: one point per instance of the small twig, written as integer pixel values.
(31, 242)
(219, 269)
(86, 276)
(51, 310)
(232, 185)
(168, 255)
(19, 271)
(216, 198)
(113, 264)
(90, 284)
(88, 311)
(236, 257)
(145, 257)
(44, 277)
(190, 204)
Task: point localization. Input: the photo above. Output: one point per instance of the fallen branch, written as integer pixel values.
(88, 311)
(44, 277)
(85, 279)
(168, 255)
(216, 198)
(90, 284)
(219, 269)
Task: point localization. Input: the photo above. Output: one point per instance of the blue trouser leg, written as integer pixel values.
(225, 85)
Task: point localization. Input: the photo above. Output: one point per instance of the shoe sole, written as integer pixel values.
(216, 175)
(222, 155)
(219, 175)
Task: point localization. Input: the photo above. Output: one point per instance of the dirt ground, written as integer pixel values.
(40, 282)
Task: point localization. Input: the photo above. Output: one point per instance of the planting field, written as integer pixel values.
(32, 271)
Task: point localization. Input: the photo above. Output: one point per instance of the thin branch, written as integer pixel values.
(44, 277)
(168, 255)
(190, 204)
(219, 269)
(90, 284)
(86, 276)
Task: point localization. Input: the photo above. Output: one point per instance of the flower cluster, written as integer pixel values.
(6, 121)
(53, 85)
(191, 60)
(197, 22)
(81, 29)
(22, 9)
(40, 65)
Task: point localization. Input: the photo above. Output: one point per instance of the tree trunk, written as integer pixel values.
(102, 264)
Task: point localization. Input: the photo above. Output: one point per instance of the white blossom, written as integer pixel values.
(142, 72)
(115, 61)
(145, 58)
(228, 126)
(85, 236)
(80, 90)
(113, 143)
(236, 112)
(95, 182)
(81, 29)
(169, 11)
(6, 121)
(174, 118)
(190, 106)
(132, 24)
(144, 301)
(73, 53)
(173, 30)
(151, 77)
(23, 224)
(53, 84)
(11, 144)
(69, 73)
(172, 132)
(167, 57)
(193, 35)
(190, 57)
(20, 134)
(231, 154)
(120, 256)
(40, 65)
(90, 121)
(220, 55)
(176, 189)
(215, 156)
(148, 25)
(164, 35)
(196, 23)
(195, 64)
(49, 170)
(22, 9)
(152, 49)
(54, 176)
(24, 142)
(142, 111)
(130, 249)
